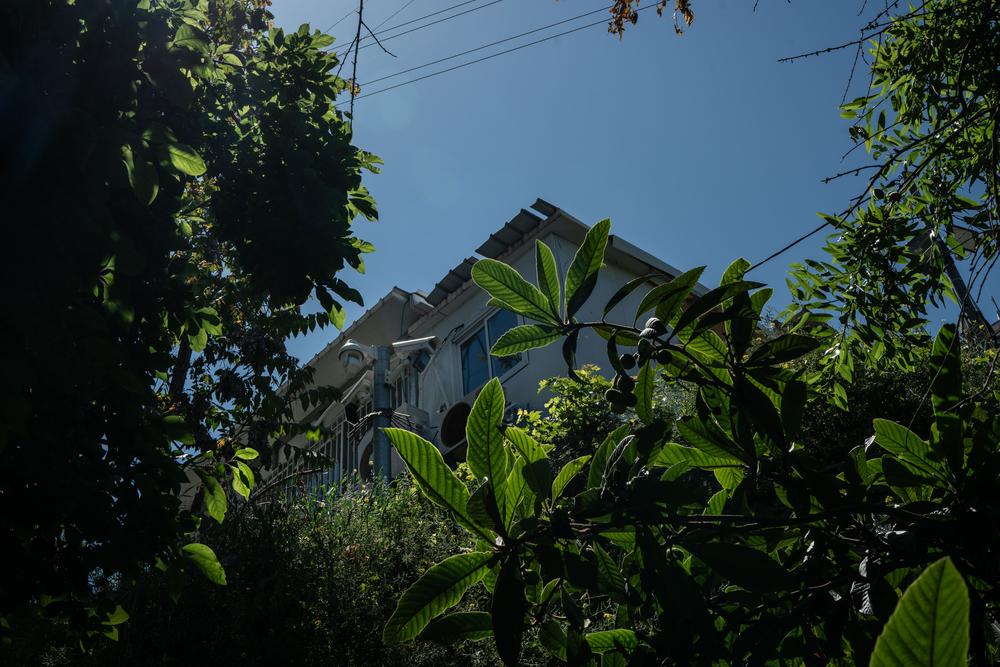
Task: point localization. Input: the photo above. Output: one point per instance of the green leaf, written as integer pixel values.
(459, 626)
(247, 453)
(744, 566)
(566, 475)
(524, 337)
(670, 301)
(436, 590)
(205, 560)
(142, 175)
(581, 277)
(644, 393)
(117, 617)
(487, 455)
(548, 276)
(627, 289)
(507, 610)
(906, 446)
(930, 626)
(506, 285)
(239, 485)
(712, 299)
(609, 575)
(595, 474)
(671, 454)
(781, 349)
(667, 297)
(709, 439)
(432, 475)
(610, 640)
(525, 445)
(191, 38)
(215, 497)
(186, 160)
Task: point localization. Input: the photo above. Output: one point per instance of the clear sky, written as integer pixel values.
(700, 148)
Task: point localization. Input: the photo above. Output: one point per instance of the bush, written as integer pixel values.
(310, 582)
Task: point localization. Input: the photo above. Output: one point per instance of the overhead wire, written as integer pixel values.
(492, 55)
(486, 46)
(421, 18)
(390, 16)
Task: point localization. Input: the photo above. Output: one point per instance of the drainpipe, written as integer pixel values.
(383, 410)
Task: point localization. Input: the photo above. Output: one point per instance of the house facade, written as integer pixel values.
(440, 342)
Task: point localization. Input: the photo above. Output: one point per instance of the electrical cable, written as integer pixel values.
(489, 57)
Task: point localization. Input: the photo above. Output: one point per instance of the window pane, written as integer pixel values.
(475, 362)
(498, 326)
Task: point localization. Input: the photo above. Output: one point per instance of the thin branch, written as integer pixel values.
(377, 40)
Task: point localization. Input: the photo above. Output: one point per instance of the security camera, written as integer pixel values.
(425, 344)
(354, 354)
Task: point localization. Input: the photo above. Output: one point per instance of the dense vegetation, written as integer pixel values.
(176, 184)
(819, 490)
(311, 581)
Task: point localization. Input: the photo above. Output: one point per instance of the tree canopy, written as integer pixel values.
(177, 184)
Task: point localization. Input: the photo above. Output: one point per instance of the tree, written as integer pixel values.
(734, 544)
(177, 183)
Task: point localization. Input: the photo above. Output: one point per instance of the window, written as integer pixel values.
(477, 364)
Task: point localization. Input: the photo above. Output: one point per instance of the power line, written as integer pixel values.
(432, 23)
(387, 19)
(486, 46)
(491, 56)
(338, 22)
(427, 16)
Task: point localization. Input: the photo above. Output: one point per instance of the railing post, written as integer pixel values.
(382, 408)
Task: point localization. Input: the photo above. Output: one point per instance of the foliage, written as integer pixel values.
(578, 417)
(311, 582)
(178, 183)
(739, 545)
(929, 126)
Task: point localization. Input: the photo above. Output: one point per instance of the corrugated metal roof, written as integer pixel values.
(451, 282)
(507, 236)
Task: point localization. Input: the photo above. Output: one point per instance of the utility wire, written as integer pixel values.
(432, 23)
(486, 46)
(387, 19)
(426, 16)
(491, 56)
(338, 22)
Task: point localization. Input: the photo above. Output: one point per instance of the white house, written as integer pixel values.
(441, 358)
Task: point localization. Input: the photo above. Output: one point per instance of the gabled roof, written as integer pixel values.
(528, 224)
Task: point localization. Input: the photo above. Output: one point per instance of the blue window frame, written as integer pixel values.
(478, 365)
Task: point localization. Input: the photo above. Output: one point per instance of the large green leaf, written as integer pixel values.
(205, 560)
(644, 392)
(548, 276)
(507, 286)
(524, 337)
(186, 160)
(432, 475)
(566, 475)
(487, 454)
(581, 277)
(906, 446)
(596, 472)
(781, 349)
(744, 566)
(215, 497)
(709, 438)
(509, 606)
(460, 626)
(671, 454)
(711, 300)
(609, 640)
(525, 445)
(930, 626)
(438, 589)
(667, 297)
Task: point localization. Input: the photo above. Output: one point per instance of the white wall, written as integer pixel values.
(441, 383)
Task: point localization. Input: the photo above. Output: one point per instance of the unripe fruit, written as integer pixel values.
(627, 361)
(645, 348)
(647, 333)
(656, 325)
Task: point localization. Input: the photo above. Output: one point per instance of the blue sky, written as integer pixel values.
(700, 148)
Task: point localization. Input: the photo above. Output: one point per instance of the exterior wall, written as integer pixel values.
(441, 383)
